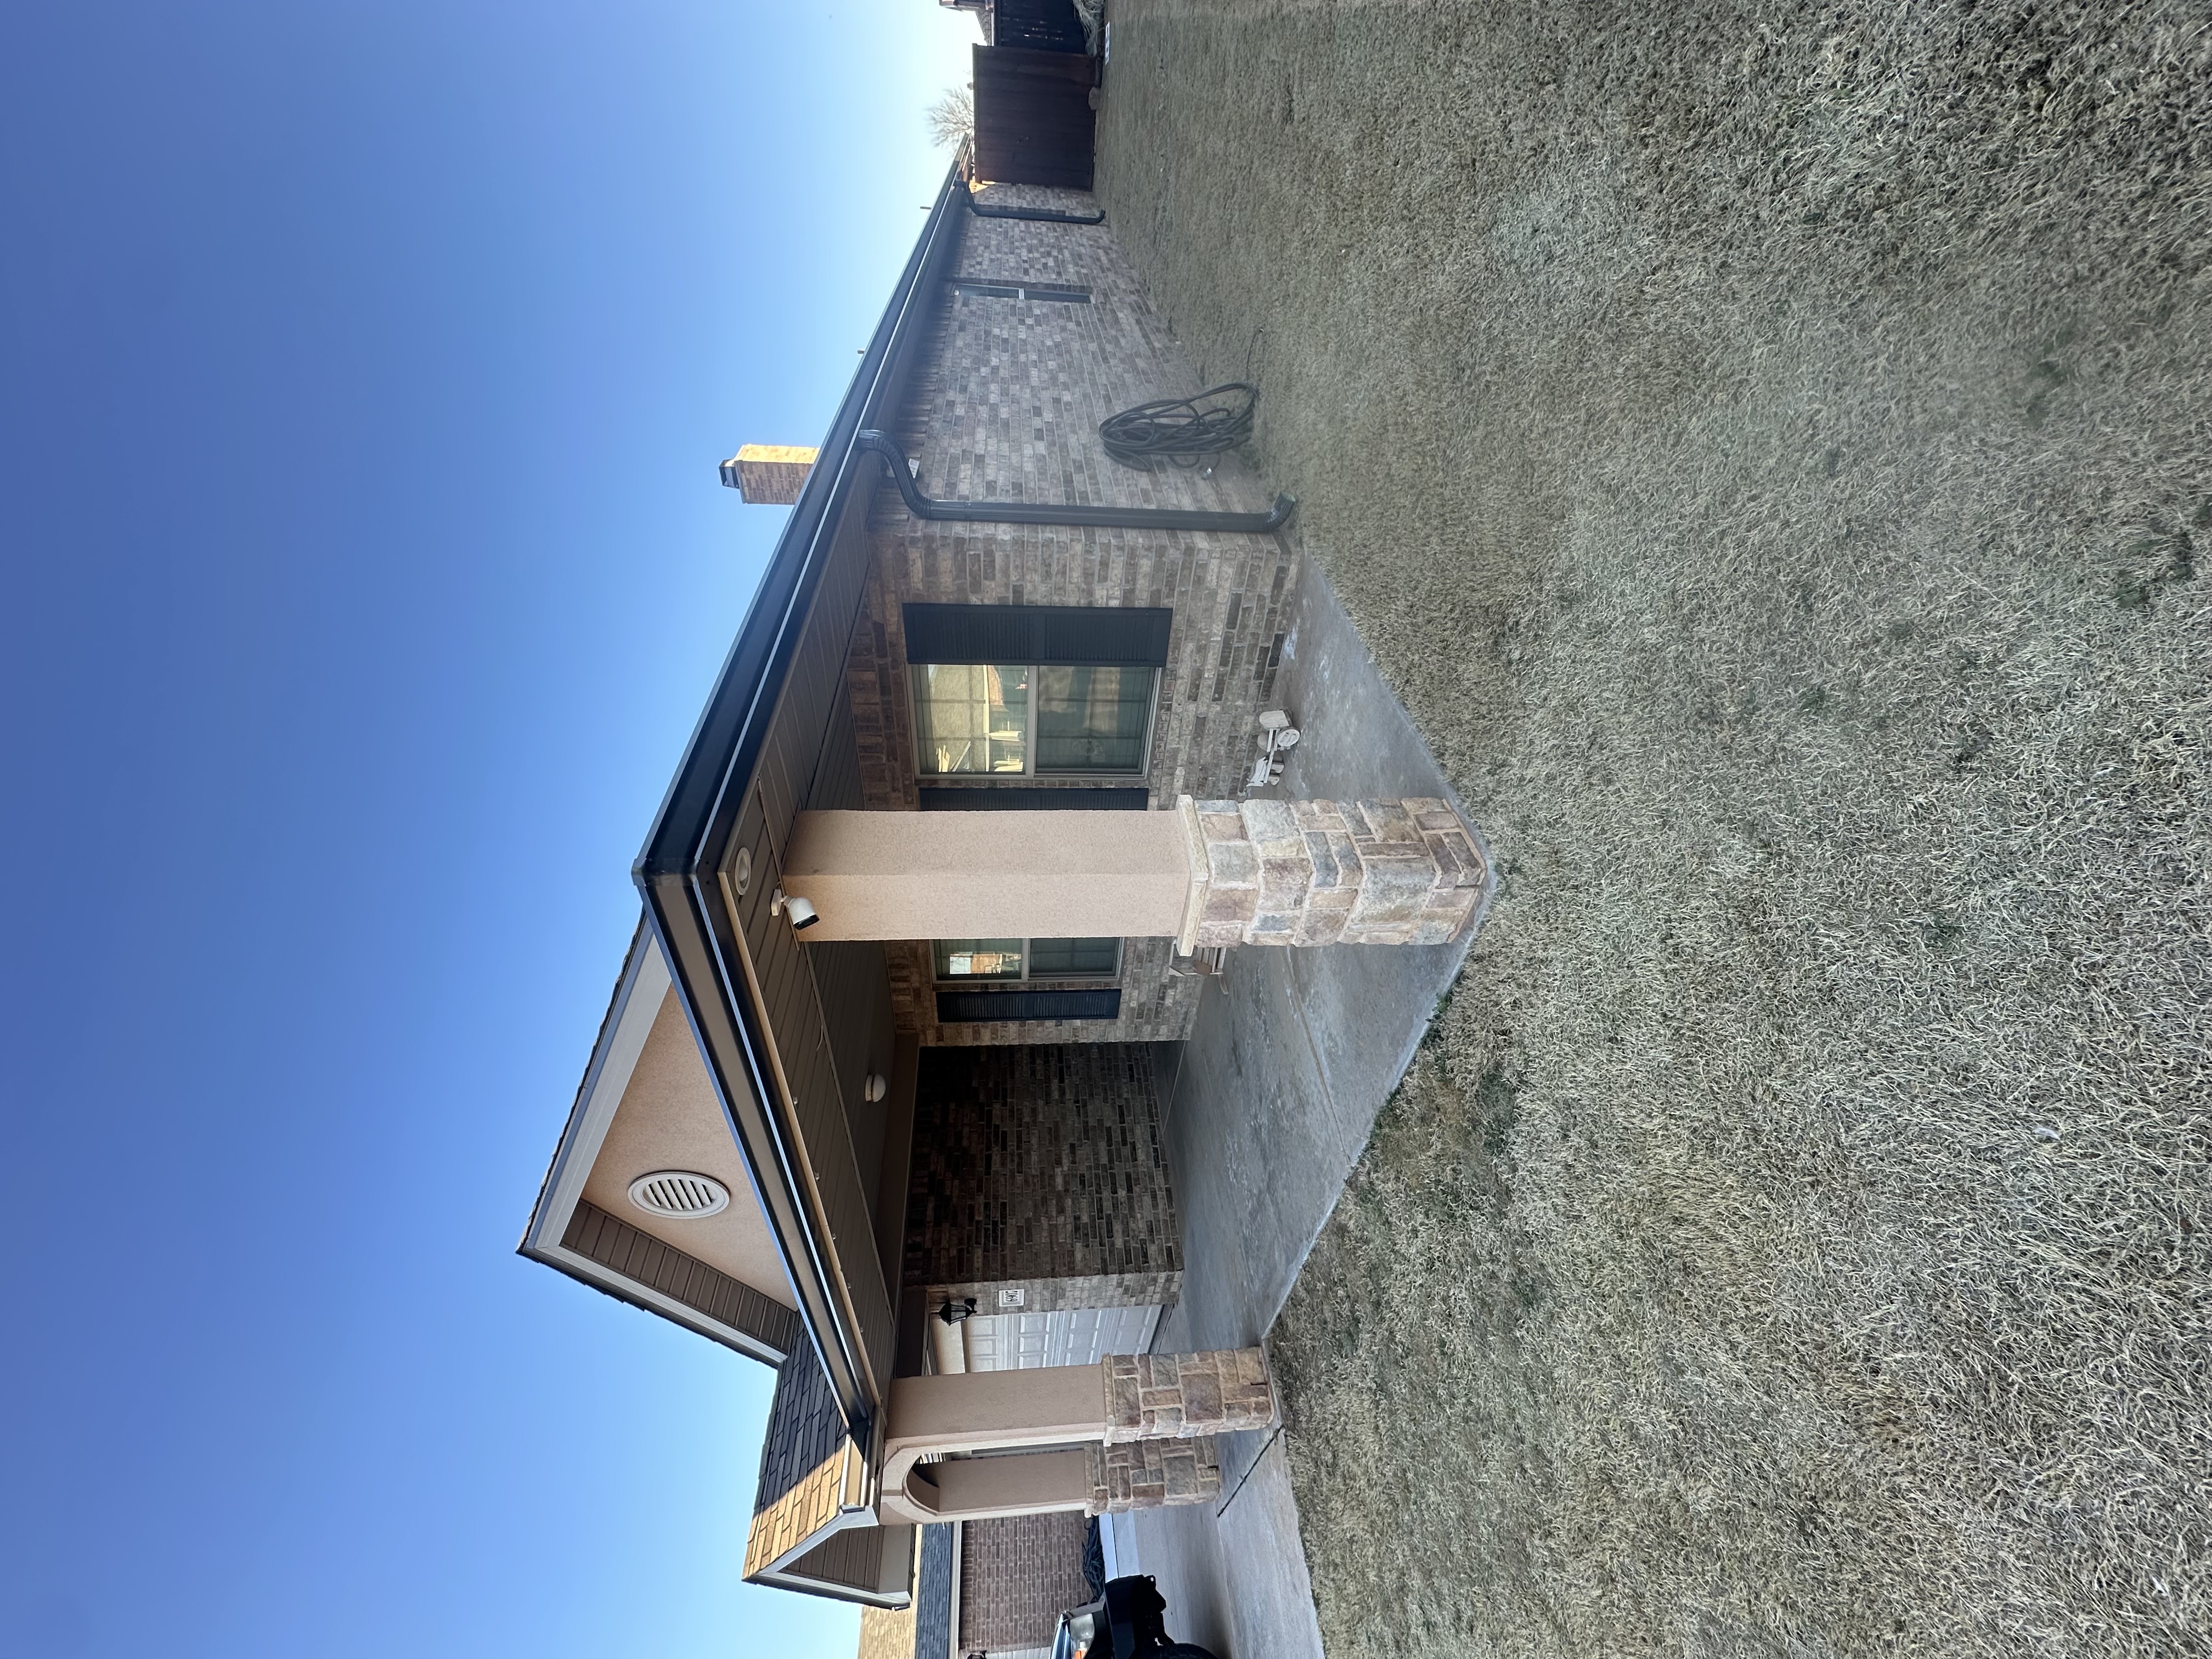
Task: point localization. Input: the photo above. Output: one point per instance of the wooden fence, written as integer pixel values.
(1033, 117)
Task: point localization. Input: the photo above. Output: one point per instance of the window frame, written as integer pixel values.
(979, 982)
(917, 683)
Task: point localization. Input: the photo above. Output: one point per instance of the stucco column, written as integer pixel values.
(989, 875)
(1144, 1426)
(1209, 873)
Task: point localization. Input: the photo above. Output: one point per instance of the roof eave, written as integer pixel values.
(676, 872)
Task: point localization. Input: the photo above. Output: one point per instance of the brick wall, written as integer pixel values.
(1041, 1168)
(1016, 1577)
(1006, 407)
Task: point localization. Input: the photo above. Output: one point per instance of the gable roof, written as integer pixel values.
(709, 864)
(567, 1231)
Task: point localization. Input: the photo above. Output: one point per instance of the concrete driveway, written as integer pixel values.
(1266, 1110)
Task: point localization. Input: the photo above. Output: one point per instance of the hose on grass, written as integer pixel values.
(1183, 430)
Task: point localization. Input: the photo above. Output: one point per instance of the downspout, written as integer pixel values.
(1110, 517)
(1047, 216)
(964, 165)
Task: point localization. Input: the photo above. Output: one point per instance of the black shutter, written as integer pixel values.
(998, 797)
(962, 1007)
(1081, 636)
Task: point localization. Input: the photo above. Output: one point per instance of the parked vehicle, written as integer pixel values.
(1126, 1621)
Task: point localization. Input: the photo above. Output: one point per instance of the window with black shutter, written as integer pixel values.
(1006, 691)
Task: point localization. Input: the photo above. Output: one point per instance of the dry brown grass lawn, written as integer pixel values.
(1771, 453)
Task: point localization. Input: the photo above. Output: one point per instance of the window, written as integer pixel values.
(987, 961)
(1031, 721)
(968, 717)
(1015, 288)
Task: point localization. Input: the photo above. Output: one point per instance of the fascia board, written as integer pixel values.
(639, 992)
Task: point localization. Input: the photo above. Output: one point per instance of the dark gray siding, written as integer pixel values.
(804, 1427)
(933, 1597)
(828, 1009)
(641, 1257)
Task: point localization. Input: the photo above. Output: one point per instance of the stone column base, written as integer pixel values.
(1328, 872)
(1145, 1474)
(1182, 1396)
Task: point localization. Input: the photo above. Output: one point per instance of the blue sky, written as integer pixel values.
(363, 371)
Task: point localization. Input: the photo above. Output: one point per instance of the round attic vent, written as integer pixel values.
(682, 1194)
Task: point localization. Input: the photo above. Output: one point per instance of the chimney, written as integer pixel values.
(768, 473)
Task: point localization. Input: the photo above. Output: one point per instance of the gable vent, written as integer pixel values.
(681, 1195)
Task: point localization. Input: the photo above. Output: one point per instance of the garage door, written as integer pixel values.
(1071, 1336)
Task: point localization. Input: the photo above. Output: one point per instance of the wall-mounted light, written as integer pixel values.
(875, 1088)
(800, 912)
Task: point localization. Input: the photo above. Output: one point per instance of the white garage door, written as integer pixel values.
(1072, 1336)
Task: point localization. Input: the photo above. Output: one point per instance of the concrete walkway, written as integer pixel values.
(1266, 1107)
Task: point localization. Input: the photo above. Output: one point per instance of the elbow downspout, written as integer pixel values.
(1046, 215)
(1111, 518)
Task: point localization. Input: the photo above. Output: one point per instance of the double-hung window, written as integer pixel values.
(1073, 696)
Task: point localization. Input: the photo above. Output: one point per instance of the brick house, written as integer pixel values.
(874, 1101)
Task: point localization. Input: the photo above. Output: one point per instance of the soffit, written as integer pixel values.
(670, 1118)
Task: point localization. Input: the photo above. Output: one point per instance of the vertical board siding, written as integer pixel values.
(825, 1036)
(837, 783)
(853, 1556)
(639, 1256)
(854, 986)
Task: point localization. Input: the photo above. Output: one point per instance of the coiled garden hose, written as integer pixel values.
(1183, 430)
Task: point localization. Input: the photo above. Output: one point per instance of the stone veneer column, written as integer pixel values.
(1183, 1396)
(1144, 1474)
(1328, 872)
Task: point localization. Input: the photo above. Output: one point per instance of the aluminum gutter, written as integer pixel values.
(676, 872)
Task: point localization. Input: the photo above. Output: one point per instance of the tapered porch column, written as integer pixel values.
(989, 875)
(1209, 873)
(1141, 1427)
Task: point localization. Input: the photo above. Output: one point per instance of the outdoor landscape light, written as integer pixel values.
(1277, 735)
(797, 910)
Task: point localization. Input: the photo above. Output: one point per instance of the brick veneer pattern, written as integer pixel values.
(1182, 1396)
(772, 474)
(1041, 1169)
(1006, 407)
(1017, 1576)
(1142, 1474)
